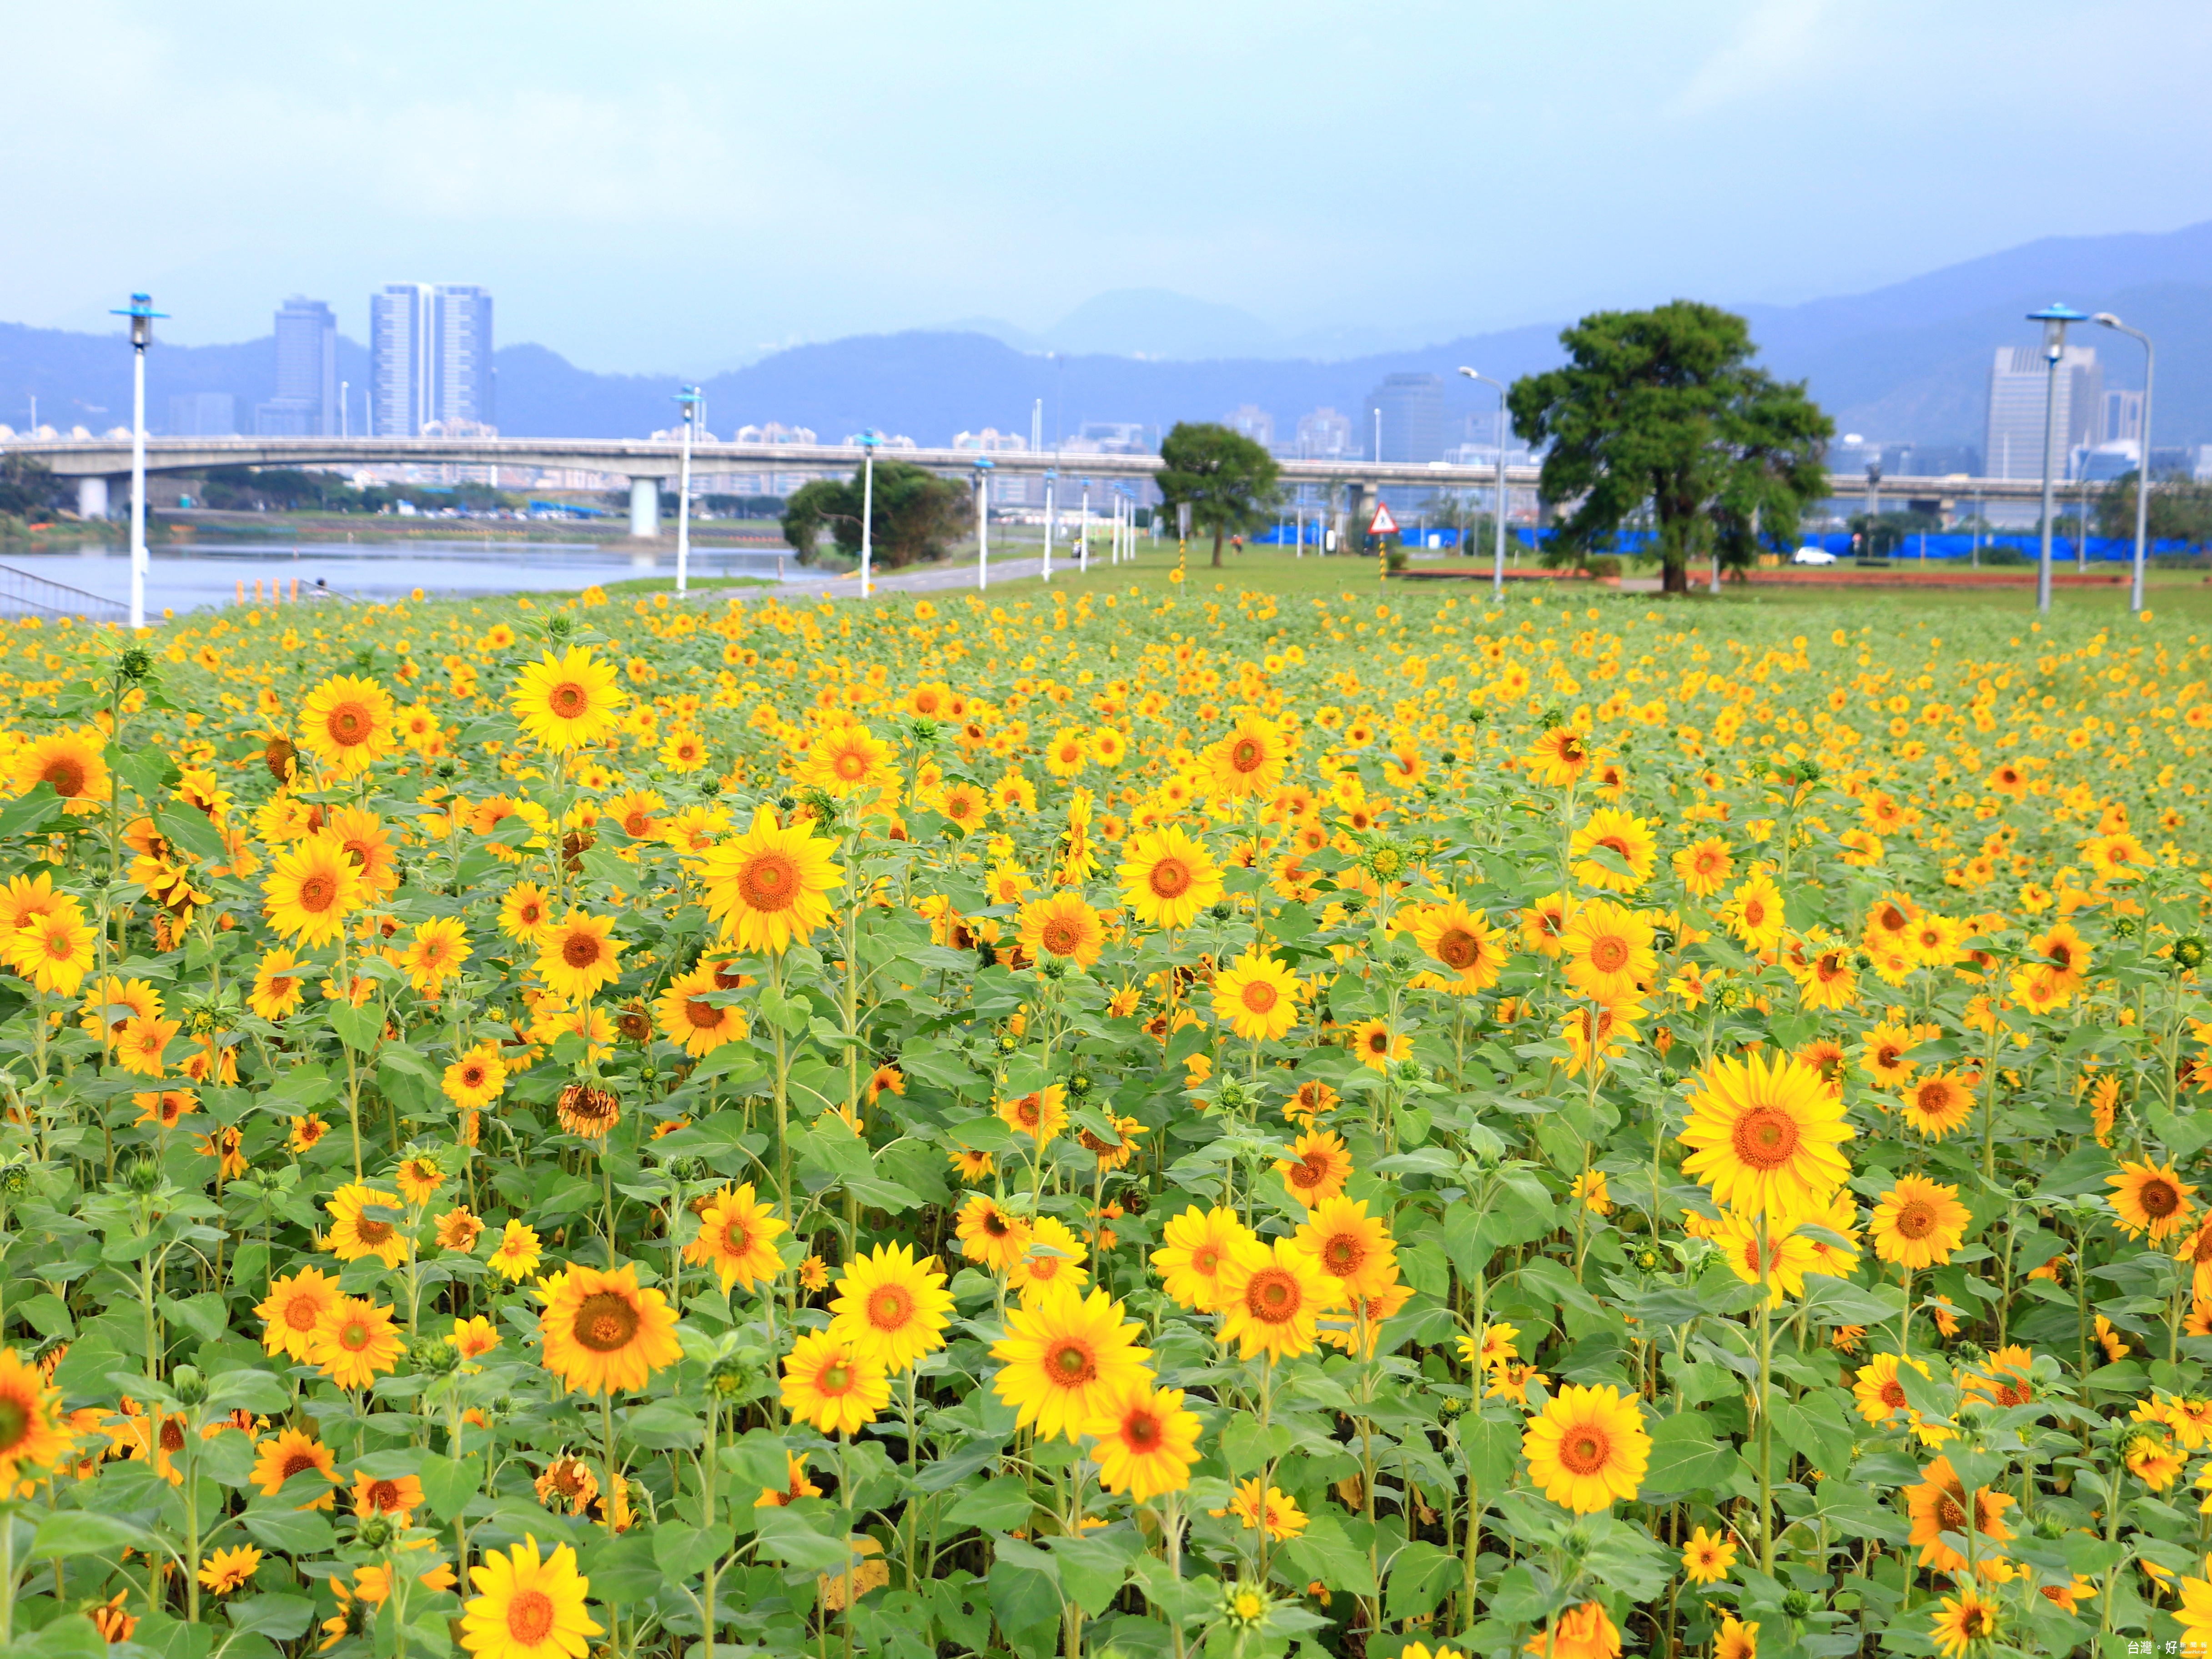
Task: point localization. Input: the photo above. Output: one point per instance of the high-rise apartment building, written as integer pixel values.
(2017, 389)
(1413, 410)
(307, 401)
(202, 415)
(2123, 419)
(1324, 435)
(1254, 422)
(430, 359)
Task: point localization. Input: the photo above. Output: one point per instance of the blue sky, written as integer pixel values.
(669, 183)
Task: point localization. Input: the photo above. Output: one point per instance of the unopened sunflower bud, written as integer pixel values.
(14, 1180)
(1798, 1604)
(134, 665)
(188, 1385)
(375, 1533)
(434, 1356)
(142, 1175)
(2189, 952)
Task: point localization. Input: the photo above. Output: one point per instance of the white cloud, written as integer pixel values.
(1780, 39)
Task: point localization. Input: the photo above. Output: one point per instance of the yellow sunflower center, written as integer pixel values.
(605, 1323)
(1766, 1138)
(769, 881)
(353, 1335)
(736, 1238)
(530, 1617)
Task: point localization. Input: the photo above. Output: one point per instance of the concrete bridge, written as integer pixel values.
(99, 462)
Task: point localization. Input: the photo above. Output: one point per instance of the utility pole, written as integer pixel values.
(141, 315)
(687, 401)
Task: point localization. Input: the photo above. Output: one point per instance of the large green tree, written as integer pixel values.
(1229, 480)
(28, 488)
(916, 515)
(1664, 407)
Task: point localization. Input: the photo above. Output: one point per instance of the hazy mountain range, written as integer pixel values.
(1908, 362)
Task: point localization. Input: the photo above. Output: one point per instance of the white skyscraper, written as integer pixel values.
(430, 359)
(307, 401)
(2016, 398)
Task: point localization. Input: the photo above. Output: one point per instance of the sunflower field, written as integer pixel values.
(1104, 1123)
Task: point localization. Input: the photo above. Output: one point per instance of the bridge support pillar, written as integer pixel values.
(92, 498)
(645, 507)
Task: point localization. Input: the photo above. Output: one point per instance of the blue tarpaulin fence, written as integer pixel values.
(1945, 545)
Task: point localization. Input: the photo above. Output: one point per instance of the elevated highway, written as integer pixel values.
(99, 462)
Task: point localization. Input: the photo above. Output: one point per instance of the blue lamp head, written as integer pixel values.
(2055, 317)
(141, 315)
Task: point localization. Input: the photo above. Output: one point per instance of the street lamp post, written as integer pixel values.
(1497, 558)
(982, 522)
(1083, 535)
(141, 315)
(2142, 464)
(2054, 317)
(868, 442)
(687, 401)
(1051, 478)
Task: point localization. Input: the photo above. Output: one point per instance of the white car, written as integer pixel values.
(1812, 556)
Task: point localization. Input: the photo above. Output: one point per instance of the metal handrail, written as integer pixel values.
(24, 594)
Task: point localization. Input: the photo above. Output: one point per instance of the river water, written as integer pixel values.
(201, 574)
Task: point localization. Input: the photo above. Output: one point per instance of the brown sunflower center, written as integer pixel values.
(2159, 1198)
(1060, 936)
(349, 723)
(530, 1617)
(66, 774)
(1766, 1138)
(605, 1323)
(1608, 953)
(1247, 756)
(1892, 1394)
(1585, 1451)
(770, 882)
(1458, 948)
(1915, 1218)
(298, 1463)
(702, 1016)
(372, 1232)
(1141, 1430)
(890, 1307)
(384, 1495)
(1073, 1364)
(1273, 1296)
(318, 892)
(1343, 1254)
(580, 950)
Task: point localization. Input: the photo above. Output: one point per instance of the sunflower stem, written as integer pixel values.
(1766, 1414)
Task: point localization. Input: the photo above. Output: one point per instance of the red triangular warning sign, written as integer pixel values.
(1382, 524)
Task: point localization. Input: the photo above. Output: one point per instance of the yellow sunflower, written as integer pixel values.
(290, 1452)
(1167, 877)
(312, 887)
(353, 1341)
(1319, 1166)
(603, 1335)
(2150, 1199)
(347, 723)
(1588, 1447)
(579, 956)
(1608, 951)
(737, 1236)
(1256, 997)
(528, 1606)
(73, 763)
(1763, 1136)
(31, 1434)
(829, 1385)
(891, 1308)
(565, 703)
(1627, 838)
(1194, 1248)
(1066, 1356)
(766, 887)
(355, 1233)
(1248, 764)
(692, 1022)
(1353, 1247)
(1461, 944)
(1062, 925)
(1271, 1298)
(1918, 1223)
(294, 1308)
(1144, 1442)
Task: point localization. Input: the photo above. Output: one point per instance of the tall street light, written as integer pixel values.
(2054, 317)
(982, 522)
(2143, 467)
(868, 442)
(688, 400)
(141, 315)
(1498, 561)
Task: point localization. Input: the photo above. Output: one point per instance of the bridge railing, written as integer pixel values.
(24, 595)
